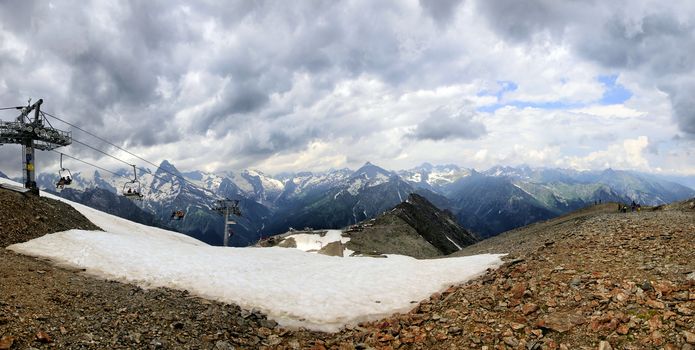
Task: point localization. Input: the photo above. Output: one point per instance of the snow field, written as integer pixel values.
(295, 288)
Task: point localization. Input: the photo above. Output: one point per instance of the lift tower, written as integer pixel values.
(32, 134)
(227, 208)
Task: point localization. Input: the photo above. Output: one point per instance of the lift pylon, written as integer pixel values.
(227, 207)
(32, 134)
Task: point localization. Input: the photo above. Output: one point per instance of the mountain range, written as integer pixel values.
(486, 203)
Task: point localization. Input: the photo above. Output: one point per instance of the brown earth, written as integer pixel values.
(589, 278)
(24, 217)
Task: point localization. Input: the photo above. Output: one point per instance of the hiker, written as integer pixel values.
(633, 206)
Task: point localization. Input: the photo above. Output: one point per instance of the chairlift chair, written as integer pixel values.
(131, 189)
(178, 215)
(64, 175)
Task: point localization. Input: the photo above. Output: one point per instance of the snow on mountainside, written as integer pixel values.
(518, 195)
(256, 185)
(318, 292)
(370, 175)
(298, 184)
(434, 176)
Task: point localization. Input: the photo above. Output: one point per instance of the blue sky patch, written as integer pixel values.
(614, 93)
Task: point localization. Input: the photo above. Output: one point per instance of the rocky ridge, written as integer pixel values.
(414, 228)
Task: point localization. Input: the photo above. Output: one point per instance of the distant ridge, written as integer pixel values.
(415, 228)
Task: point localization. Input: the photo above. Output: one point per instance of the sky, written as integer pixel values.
(286, 86)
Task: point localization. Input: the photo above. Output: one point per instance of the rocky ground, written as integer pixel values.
(590, 280)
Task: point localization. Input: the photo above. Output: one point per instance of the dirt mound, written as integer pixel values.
(25, 217)
(686, 205)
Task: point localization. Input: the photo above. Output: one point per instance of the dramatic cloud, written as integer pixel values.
(442, 125)
(287, 86)
(440, 10)
(649, 37)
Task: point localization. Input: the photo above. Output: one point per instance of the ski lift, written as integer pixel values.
(177, 215)
(222, 205)
(131, 189)
(234, 209)
(64, 175)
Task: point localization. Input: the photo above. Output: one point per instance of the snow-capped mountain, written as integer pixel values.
(567, 185)
(487, 203)
(166, 190)
(303, 184)
(438, 178)
(365, 193)
(257, 185)
(434, 176)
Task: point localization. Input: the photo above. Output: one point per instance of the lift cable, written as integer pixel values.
(91, 164)
(130, 153)
(102, 152)
(104, 169)
(107, 141)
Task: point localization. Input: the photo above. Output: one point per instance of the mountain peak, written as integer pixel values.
(426, 166)
(167, 167)
(370, 171)
(437, 228)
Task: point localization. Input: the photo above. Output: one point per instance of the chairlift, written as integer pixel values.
(234, 209)
(222, 205)
(177, 214)
(131, 189)
(64, 175)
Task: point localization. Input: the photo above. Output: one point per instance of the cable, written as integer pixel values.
(102, 152)
(107, 141)
(140, 168)
(4, 108)
(126, 151)
(94, 165)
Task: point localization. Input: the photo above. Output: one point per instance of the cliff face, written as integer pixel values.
(437, 226)
(415, 228)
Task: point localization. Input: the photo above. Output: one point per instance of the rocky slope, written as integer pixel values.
(25, 217)
(415, 228)
(592, 279)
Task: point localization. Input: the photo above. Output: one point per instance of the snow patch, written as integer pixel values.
(313, 242)
(317, 292)
(355, 187)
(452, 241)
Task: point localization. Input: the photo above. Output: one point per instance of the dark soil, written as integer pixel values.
(24, 217)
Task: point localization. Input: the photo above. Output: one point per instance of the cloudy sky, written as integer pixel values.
(313, 85)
